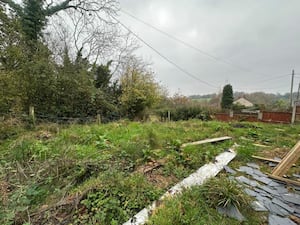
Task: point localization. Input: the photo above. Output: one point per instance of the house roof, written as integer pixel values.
(244, 102)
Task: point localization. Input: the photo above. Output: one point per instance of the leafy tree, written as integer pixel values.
(75, 89)
(227, 97)
(102, 76)
(139, 91)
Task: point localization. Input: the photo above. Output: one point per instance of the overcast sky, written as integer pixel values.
(259, 40)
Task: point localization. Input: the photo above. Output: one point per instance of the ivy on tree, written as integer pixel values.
(33, 14)
(227, 97)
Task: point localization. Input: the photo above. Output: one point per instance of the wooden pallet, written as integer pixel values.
(285, 164)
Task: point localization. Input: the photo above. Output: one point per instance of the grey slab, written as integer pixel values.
(274, 184)
(250, 192)
(283, 205)
(229, 170)
(271, 164)
(282, 189)
(259, 173)
(291, 198)
(277, 220)
(246, 169)
(262, 193)
(269, 190)
(297, 210)
(259, 206)
(263, 200)
(276, 210)
(253, 165)
(264, 180)
(232, 212)
(245, 180)
(296, 175)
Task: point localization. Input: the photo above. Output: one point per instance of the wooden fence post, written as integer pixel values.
(32, 115)
(260, 116)
(98, 119)
(169, 116)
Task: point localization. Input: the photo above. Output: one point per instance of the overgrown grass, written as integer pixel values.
(61, 172)
(197, 206)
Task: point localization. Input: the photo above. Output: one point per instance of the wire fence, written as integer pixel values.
(43, 118)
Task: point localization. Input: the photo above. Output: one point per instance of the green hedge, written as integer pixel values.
(185, 113)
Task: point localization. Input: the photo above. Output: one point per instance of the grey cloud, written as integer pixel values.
(260, 36)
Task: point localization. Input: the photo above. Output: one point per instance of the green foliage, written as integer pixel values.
(103, 76)
(185, 113)
(223, 192)
(227, 97)
(198, 205)
(33, 19)
(139, 92)
(29, 76)
(117, 199)
(100, 167)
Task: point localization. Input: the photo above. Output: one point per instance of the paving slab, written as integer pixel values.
(259, 173)
(283, 205)
(271, 164)
(245, 180)
(250, 192)
(246, 169)
(291, 198)
(271, 195)
(277, 220)
(297, 210)
(232, 212)
(282, 189)
(263, 180)
(253, 165)
(269, 190)
(259, 206)
(274, 184)
(263, 200)
(262, 193)
(276, 210)
(229, 170)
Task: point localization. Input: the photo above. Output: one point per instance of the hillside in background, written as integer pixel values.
(264, 100)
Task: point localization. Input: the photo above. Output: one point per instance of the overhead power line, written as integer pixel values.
(164, 57)
(215, 58)
(274, 78)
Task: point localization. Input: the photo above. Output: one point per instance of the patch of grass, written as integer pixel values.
(57, 161)
(197, 205)
(116, 199)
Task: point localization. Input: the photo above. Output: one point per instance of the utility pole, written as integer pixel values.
(298, 92)
(292, 85)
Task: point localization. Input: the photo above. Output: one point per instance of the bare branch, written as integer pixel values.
(18, 9)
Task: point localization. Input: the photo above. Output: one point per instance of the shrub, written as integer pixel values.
(185, 113)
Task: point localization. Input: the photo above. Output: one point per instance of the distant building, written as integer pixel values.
(243, 102)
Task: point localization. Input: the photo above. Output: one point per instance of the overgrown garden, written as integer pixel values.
(91, 174)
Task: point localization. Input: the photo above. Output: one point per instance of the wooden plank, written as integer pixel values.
(195, 179)
(260, 145)
(267, 159)
(211, 140)
(287, 162)
(285, 180)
